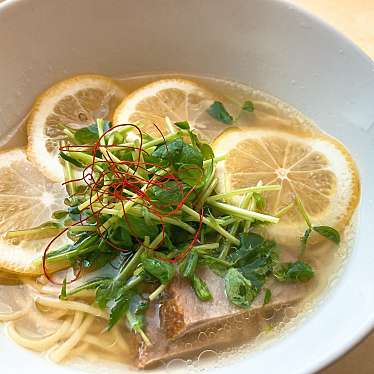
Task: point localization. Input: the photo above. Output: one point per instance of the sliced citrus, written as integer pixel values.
(75, 102)
(178, 99)
(27, 199)
(318, 169)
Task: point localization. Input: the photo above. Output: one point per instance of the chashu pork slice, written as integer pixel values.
(175, 327)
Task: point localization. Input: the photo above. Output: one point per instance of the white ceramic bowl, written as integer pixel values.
(270, 45)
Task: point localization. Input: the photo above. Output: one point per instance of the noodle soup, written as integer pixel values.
(211, 216)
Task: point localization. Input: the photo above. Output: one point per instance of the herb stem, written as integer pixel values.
(243, 213)
(284, 210)
(214, 160)
(302, 211)
(161, 140)
(210, 186)
(240, 191)
(218, 260)
(80, 228)
(211, 224)
(157, 292)
(69, 134)
(205, 247)
(243, 204)
(69, 175)
(144, 336)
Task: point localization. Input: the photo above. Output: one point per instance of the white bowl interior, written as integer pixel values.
(268, 44)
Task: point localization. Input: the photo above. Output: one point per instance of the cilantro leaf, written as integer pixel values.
(118, 309)
(298, 271)
(184, 125)
(239, 289)
(201, 289)
(219, 112)
(162, 270)
(90, 134)
(188, 265)
(137, 307)
(248, 106)
(267, 296)
(328, 232)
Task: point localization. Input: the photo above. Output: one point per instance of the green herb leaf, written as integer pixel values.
(201, 289)
(169, 194)
(90, 285)
(162, 270)
(259, 200)
(188, 265)
(328, 232)
(267, 296)
(184, 125)
(106, 291)
(177, 152)
(135, 313)
(250, 240)
(118, 309)
(191, 174)
(239, 290)
(219, 112)
(59, 214)
(90, 134)
(248, 106)
(45, 230)
(206, 150)
(120, 236)
(138, 228)
(254, 251)
(298, 271)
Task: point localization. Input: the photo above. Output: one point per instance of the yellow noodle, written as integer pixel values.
(93, 355)
(80, 349)
(16, 315)
(39, 345)
(71, 305)
(77, 321)
(120, 340)
(64, 349)
(57, 314)
(99, 341)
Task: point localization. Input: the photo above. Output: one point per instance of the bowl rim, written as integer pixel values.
(349, 343)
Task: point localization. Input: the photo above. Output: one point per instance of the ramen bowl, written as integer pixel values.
(269, 45)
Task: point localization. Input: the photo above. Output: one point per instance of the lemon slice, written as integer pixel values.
(178, 99)
(27, 199)
(318, 169)
(75, 102)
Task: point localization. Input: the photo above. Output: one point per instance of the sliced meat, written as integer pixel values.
(183, 312)
(218, 335)
(175, 328)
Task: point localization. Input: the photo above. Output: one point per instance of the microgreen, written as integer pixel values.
(248, 106)
(267, 296)
(298, 271)
(219, 112)
(149, 204)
